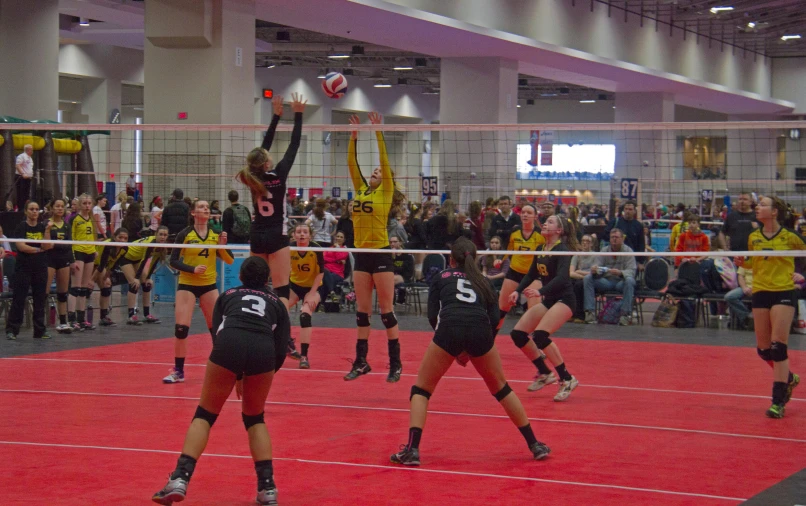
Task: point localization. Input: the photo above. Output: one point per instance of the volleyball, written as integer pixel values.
(334, 85)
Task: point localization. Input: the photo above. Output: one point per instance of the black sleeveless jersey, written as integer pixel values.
(255, 311)
(453, 301)
(270, 208)
(553, 271)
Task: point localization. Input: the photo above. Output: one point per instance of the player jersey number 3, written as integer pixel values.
(265, 206)
(466, 293)
(259, 306)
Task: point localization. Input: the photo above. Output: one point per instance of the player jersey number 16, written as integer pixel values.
(265, 206)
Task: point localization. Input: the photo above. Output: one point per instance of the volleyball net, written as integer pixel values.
(701, 165)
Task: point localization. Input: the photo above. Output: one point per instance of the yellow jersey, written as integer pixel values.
(773, 274)
(371, 207)
(517, 242)
(306, 265)
(106, 258)
(83, 230)
(192, 257)
(138, 253)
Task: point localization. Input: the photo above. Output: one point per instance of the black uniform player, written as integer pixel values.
(60, 262)
(556, 307)
(463, 310)
(252, 330)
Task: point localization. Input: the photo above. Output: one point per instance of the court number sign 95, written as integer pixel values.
(429, 186)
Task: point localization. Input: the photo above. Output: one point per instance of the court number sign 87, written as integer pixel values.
(629, 188)
(429, 186)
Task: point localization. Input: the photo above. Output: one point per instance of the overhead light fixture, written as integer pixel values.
(269, 65)
(587, 101)
(403, 67)
(790, 37)
(751, 25)
(337, 55)
(83, 22)
(548, 94)
(717, 10)
(382, 85)
(322, 74)
(431, 92)
(518, 106)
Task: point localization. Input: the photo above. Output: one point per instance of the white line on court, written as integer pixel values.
(469, 378)
(431, 412)
(390, 468)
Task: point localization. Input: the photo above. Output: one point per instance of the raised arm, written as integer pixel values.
(359, 183)
(284, 166)
(277, 105)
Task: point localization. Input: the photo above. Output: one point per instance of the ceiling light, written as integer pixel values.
(322, 74)
(587, 101)
(405, 67)
(790, 37)
(751, 25)
(270, 65)
(380, 85)
(83, 22)
(431, 92)
(337, 55)
(548, 94)
(716, 10)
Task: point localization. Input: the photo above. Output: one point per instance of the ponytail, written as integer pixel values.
(463, 253)
(255, 160)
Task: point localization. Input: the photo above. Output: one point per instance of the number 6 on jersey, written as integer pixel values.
(265, 206)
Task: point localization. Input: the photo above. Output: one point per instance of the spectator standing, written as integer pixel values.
(495, 275)
(633, 230)
(156, 214)
(738, 225)
(505, 222)
(25, 172)
(322, 223)
(176, 214)
(345, 226)
(99, 215)
(118, 211)
(131, 186)
(236, 220)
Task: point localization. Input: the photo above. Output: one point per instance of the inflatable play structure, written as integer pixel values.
(47, 144)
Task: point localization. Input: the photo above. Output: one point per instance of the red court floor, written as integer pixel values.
(650, 423)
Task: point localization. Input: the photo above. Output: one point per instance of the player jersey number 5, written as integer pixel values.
(466, 292)
(265, 206)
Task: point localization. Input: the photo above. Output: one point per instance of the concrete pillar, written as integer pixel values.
(101, 97)
(483, 90)
(29, 57)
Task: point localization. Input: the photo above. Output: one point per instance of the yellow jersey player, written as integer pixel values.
(137, 265)
(82, 229)
(197, 280)
(106, 274)
(307, 271)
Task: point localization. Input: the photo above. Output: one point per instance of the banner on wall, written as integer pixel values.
(546, 145)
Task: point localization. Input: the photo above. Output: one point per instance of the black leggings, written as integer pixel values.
(25, 278)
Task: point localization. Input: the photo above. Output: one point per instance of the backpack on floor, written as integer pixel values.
(611, 312)
(666, 314)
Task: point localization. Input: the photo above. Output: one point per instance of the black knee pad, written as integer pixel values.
(520, 338)
(362, 319)
(283, 291)
(764, 354)
(389, 320)
(250, 420)
(502, 314)
(305, 320)
(205, 415)
(505, 390)
(778, 351)
(87, 292)
(415, 390)
(134, 289)
(147, 288)
(541, 338)
(61, 297)
(105, 292)
(76, 291)
(181, 331)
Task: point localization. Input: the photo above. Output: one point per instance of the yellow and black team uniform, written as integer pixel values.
(305, 266)
(197, 284)
(371, 211)
(61, 255)
(772, 276)
(519, 264)
(83, 229)
(107, 258)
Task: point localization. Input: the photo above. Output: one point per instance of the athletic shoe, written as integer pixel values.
(578, 320)
(540, 450)
(303, 363)
(359, 369)
(152, 319)
(44, 335)
(10, 336)
(63, 328)
(106, 322)
(267, 497)
(394, 373)
(174, 491)
(776, 411)
(133, 320)
(86, 326)
(590, 317)
(565, 389)
(406, 456)
(175, 376)
(624, 320)
(76, 327)
(792, 384)
(542, 380)
(462, 359)
(292, 350)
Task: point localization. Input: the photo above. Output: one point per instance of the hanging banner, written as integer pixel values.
(546, 145)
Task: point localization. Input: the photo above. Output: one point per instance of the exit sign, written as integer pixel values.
(182, 115)
(268, 93)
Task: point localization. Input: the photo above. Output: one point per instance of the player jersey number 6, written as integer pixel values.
(265, 206)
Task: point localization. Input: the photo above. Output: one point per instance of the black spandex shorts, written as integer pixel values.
(301, 291)
(59, 261)
(568, 298)
(244, 351)
(117, 278)
(87, 258)
(198, 291)
(765, 300)
(373, 262)
(125, 261)
(268, 241)
(514, 276)
(476, 340)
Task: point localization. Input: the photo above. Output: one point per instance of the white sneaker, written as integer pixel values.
(542, 380)
(63, 328)
(565, 389)
(175, 376)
